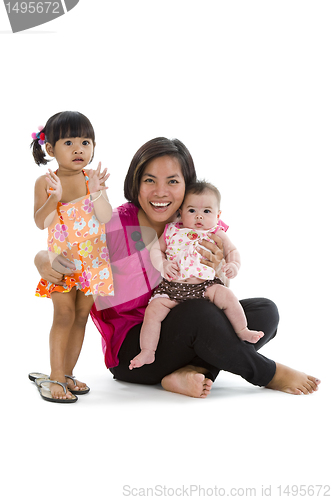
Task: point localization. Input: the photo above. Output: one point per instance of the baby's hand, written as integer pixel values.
(54, 182)
(97, 179)
(170, 270)
(230, 270)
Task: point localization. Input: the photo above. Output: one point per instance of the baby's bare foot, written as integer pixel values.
(145, 357)
(250, 335)
(189, 381)
(292, 381)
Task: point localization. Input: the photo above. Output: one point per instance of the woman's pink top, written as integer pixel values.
(134, 279)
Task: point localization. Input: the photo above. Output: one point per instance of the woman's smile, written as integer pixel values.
(160, 206)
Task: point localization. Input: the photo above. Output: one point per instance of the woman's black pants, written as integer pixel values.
(197, 332)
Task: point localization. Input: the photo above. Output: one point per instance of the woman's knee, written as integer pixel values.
(262, 314)
(269, 311)
(273, 310)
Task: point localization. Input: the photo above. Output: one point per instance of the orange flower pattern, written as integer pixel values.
(78, 235)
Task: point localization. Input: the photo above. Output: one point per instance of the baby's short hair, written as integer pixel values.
(199, 187)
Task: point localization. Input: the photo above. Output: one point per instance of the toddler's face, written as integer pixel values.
(72, 153)
(200, 211)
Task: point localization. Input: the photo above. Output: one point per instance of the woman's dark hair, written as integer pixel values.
(60, 126)
(199, 187)
(160, 146)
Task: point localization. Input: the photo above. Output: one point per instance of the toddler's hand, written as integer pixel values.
(54, 182)
(230, 270)
(170, 270)
(97, 179)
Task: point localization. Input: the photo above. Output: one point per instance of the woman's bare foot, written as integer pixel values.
(189, 380)
(250, 335)
(288, 380)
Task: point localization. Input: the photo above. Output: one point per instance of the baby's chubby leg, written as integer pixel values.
(225, 299)
(155, 313)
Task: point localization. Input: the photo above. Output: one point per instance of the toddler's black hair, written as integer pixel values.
(60, 126)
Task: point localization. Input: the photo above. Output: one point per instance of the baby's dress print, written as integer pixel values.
(182, 246)
(78, 235)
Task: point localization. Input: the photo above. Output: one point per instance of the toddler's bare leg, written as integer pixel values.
(225, 299)
(83, 305)
(155, 313)
(63, 320)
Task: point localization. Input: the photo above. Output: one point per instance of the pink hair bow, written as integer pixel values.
(40, 135)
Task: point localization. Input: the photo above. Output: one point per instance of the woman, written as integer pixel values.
(197, 340)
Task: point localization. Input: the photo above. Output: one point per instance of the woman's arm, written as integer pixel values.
(52, 267)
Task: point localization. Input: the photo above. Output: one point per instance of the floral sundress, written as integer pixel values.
(78, 235)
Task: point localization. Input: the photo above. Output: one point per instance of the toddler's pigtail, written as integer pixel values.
(39, 154)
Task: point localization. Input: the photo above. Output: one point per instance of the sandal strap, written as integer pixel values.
(71, 378)
(48, 381)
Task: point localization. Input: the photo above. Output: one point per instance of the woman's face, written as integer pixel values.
(162, 189)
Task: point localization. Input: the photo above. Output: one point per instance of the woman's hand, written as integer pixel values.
(53, 267)
(97, 179)
(213, 253)
(54, 182)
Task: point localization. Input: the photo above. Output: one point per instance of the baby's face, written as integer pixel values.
(200, 211)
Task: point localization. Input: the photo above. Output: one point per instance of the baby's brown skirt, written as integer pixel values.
(184, 291)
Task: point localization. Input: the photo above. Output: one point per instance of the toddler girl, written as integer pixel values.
(73, 205)
(184, 277)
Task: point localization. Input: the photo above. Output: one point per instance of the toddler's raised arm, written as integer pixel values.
(102, 207)
(45, 206)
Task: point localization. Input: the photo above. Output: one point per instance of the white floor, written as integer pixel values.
(128, 440)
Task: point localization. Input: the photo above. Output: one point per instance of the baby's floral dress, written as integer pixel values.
(182, 246)
(78, 235)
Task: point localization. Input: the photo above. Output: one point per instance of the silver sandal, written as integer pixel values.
(83, 391)
(45, 391)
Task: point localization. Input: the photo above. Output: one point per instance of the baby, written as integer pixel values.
(184, 276)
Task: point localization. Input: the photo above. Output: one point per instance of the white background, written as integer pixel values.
(246, 85)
